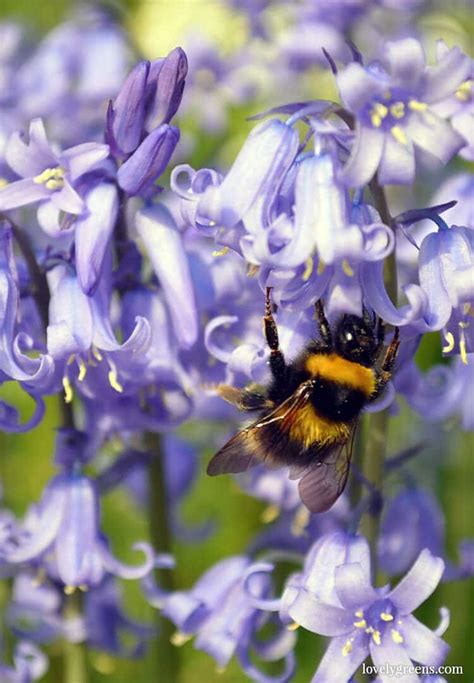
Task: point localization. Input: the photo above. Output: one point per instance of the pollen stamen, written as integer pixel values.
(68, 392)
(376, 637)
(82, 369)
(69, 590)
(396, 636)
(360, 624)
(51, 178)
(221, 252)
(300, 521)
(397, 110)
(179, 638)
(270, 513)
(416, 105)
(449, 336)
(293, 626)
(347, 268)
(463, 93)
(309, 264)
(347, 649)
(399, 135)
(385, 616)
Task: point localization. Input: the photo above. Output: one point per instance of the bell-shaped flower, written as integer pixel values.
(221, 616)
(80, 331)
(334, 597)
(252, 183)
(63, 533)
(48, 176)
(393, 109)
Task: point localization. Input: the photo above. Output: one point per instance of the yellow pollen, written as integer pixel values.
(82, 369)
(450, 342)
(359, 613)
(68, 393)
(221, 252)
(321, 267)
(83, 587)
(376, 120)
(252, 269)
(360, 624)
(52, 178)
(71, 359)
(399, 135)
(385, 616)
(346, 267)
(300, 521)
(97, 354)
(69, 590)
(113, 381)
(40, 578)
(179, 638)
(308, 268)
(396, 636)
(397, 110)
(467, 309)
(270, 513)
(464, 325)
(376, 637)
(347, 649)
(462, 349)
(463, 93)
(292, 627)
(3, 182)
(416, 105)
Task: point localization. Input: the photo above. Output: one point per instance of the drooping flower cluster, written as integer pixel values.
(133, 303)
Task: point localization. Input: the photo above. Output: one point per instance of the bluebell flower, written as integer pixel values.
(218, 612)
(47, 175)
(334, 597)
(80, 331)
(394, 114)
(29, 664)
(63, 533)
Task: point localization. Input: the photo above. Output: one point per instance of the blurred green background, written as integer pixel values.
(25, 460)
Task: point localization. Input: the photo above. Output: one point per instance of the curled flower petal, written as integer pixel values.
(334, 666)
(221, 321)
(126, 571)
(260, 603)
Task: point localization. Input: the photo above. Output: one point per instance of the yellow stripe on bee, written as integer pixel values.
(334, 368)
(308, 427)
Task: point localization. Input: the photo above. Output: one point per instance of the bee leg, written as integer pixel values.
(243, 399)
(277, 359)
(324, 328)
(380, 332)
(385, 373)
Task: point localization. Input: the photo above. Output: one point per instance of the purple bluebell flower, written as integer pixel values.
(29, 664)
(221, 616)
(62, 532)
(333, 596)
(394, 114)
(47, 175)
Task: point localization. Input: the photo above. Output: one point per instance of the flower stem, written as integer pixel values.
(375, 451)
(161, 537)
(74, 654)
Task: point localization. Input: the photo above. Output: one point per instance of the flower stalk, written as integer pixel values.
(167, 656)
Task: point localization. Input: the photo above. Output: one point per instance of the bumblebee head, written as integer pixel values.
(355, 339)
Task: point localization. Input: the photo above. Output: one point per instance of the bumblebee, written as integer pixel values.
(309, 412)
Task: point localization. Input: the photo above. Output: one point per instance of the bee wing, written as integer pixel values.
(322, 483)
(245, 449)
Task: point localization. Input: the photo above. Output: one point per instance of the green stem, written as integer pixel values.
(375, 451)
(166, 654)
(74, 654)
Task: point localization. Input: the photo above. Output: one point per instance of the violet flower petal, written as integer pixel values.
(67, 199)
(357, 86)
(21, 193)
(169, 88)
(319, 617)
(422, 644)
(30, 159)
(365, 156)
(406, 60)
(149, 160)
(83, 158)
(353, 586)
(128, 111)
(93, 232)
(397, 165)
(418, 584)
(163, 242)
(434, 135)
(126, 571)
(335, 666)
(389, 652)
